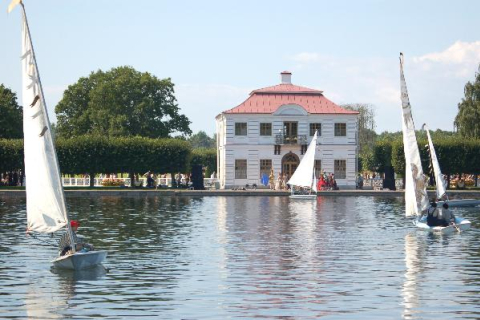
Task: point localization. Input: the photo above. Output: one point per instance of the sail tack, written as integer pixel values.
(416, 199)
(304, 174)
(45, 199)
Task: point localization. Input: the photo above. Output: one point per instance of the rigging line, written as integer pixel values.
(43, 242)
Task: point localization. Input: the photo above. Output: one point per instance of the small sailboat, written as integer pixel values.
(416, 199)
(441, 185)
(304, 176)
(46, 209)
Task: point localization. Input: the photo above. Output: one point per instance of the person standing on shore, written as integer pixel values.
(271, 180)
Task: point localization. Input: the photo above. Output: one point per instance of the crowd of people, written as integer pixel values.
(324, 181)
(327, 182)
(154, 180)
(12, 178)
(280, 183)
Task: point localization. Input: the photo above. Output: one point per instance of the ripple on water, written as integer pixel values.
(243, 257)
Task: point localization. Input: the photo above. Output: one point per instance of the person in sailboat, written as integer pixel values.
(432, 215)
(439, 218)
(64, 244)
(447, 216)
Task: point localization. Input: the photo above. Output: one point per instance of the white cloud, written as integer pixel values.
(458, 53)
(459, 60)
(435, 82)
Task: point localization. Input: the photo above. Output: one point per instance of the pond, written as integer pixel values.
(243, 258)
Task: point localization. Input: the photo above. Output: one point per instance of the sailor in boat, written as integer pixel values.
(432, 215)
(64, 244)
(439, 218)
(447, 217)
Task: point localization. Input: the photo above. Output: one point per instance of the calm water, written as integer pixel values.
(243, 258)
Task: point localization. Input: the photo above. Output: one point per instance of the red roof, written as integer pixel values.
(268, 100)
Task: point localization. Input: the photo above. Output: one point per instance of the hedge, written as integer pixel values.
(11, 155)
(93, 154)
(206, 158)
(454, 156)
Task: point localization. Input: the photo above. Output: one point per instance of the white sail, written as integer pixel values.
(45, 199)
(439, 181)
(416, 199)
(303, 175)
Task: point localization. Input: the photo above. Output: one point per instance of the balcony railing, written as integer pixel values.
(290, 139)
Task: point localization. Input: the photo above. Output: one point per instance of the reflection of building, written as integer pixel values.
(272, 129)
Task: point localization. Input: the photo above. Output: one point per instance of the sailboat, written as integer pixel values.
(304, 175)
(416, 198)
(441, 185)
(46, 209)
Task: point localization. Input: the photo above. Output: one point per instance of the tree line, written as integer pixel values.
(121, 120)
(134, 155)
(455, 156)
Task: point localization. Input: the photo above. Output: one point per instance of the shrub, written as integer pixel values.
(113, 183)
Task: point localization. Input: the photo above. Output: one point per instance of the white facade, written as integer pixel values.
(336, 149)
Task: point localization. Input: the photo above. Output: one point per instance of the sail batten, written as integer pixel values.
(304, 174)
(46, 211)
(416, 199)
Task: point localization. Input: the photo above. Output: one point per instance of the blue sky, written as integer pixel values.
(217, 52)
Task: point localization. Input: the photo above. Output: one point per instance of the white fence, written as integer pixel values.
(377, 184)
(164, 182)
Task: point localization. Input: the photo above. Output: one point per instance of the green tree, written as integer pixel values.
(467, 120)
(11, 121)
(120, 102)
(366, 133)
(366, 125)
(202, 140)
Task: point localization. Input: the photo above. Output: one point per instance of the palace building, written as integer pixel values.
(272, 129)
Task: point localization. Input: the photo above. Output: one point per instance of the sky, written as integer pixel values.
(217, 52)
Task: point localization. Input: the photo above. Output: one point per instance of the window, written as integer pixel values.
(240, 128)
(315, 127)
(241, 169)
(340, 169)
(265, 166)
(265, 129)
(318, 167)
(340, 129)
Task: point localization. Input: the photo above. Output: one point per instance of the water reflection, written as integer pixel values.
(412, 276)
(243, 257)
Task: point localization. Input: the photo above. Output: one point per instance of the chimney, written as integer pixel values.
(286, 77)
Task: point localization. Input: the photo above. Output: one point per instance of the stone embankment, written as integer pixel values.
(209, 193)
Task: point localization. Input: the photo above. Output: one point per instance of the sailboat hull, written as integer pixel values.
(304, 196)
(80, 260)
(460, 225)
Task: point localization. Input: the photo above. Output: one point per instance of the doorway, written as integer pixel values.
(290, 163)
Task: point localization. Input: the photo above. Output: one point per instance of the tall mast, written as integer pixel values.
(45, 114)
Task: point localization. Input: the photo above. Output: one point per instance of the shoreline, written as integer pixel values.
(209, 193)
